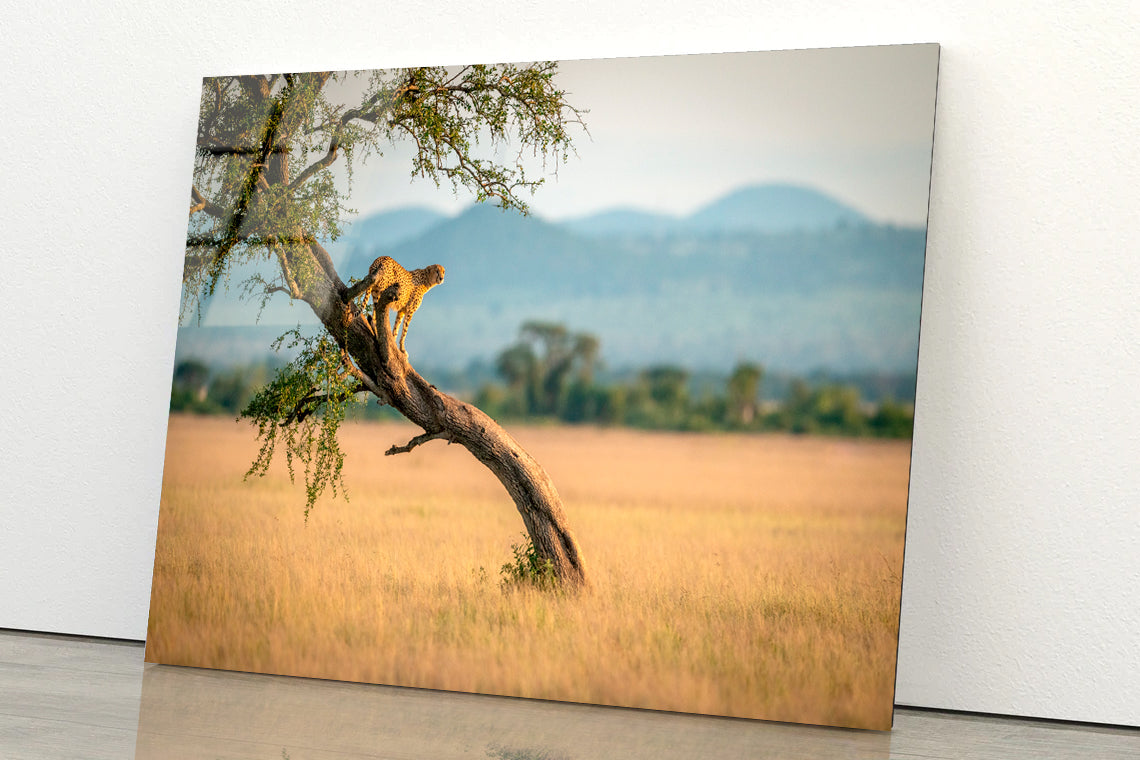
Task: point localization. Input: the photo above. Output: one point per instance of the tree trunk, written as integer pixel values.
(388, 374)
(524, 478)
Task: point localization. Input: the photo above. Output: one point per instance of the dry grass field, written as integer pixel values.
(754, 576)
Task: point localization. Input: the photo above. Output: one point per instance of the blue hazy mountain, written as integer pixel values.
(623, 222)
(773, 208)
(489, 253)
(758, 208)
(841, 294)
(391, 227)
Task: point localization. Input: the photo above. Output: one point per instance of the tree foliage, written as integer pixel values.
(545, 367)
(744, 393)
(302, 409)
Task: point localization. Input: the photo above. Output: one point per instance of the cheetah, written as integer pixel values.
(413, 285)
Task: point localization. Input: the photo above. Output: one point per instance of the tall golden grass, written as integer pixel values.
(754, 576)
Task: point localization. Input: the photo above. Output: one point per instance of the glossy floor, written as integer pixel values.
(62, 697)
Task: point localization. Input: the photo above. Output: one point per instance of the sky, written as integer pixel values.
(671, 134)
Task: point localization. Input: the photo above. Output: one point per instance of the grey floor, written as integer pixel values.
(63, 697)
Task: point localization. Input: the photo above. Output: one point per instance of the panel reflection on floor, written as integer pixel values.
(219, 715)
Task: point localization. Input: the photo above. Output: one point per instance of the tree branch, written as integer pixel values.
(211, 241)
(417, 441)
(367, 383)
(368, 111)
(255, 86)
(286, 271)
(355, 291)
(322, 163)
(325, 260)
(311, 403)
(201, 203)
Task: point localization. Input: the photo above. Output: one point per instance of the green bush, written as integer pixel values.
(528, 569)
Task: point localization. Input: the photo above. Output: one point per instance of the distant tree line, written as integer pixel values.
(553, 374)
(199, 389)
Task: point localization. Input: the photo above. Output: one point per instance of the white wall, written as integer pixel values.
(1022, 579)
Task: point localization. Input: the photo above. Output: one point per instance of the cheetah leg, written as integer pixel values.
(375, 316)
(411, 311)
(396, 328)
(407, 322)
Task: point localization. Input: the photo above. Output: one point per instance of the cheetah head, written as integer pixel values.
(435, 274)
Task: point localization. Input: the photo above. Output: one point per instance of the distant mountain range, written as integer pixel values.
(762, 208)
(781, 275)
(390, 227)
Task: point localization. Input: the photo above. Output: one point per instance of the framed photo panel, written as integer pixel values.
(648, 444)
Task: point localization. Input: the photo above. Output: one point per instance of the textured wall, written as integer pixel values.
(1022, 580)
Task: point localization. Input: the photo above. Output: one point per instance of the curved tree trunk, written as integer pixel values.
(387, 373)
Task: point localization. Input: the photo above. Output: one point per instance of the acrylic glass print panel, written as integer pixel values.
(648, 444)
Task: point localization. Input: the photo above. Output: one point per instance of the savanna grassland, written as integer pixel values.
(744, 575)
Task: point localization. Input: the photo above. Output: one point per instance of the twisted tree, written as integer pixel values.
(265, 191)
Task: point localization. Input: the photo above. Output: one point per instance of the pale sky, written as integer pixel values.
(670, 134)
